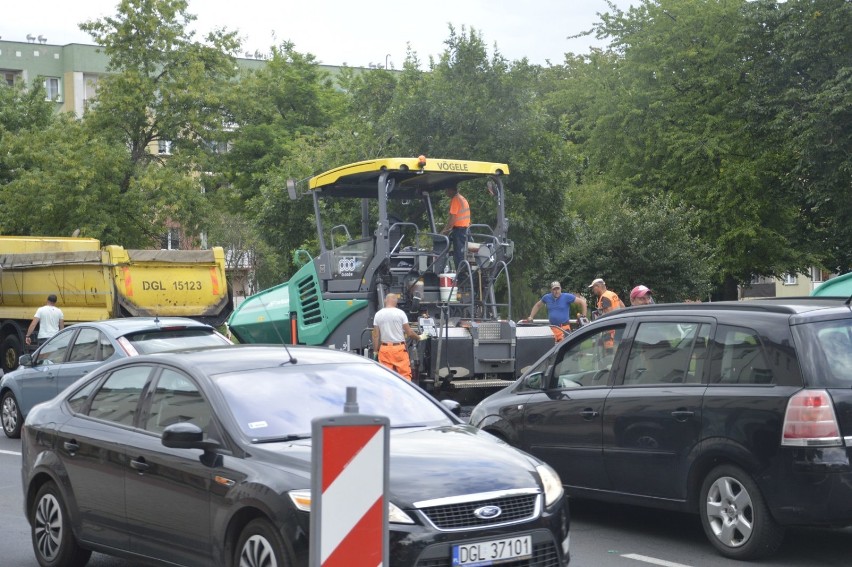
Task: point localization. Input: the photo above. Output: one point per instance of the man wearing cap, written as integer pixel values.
(641, 295)
(559, 309)
(607, 300)
(390, 329)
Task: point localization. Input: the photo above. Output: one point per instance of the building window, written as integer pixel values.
(819, 276)
(164, 147)
(10, 77)
(790, 279)
(90, 83)
(171, 241)
(51, 87)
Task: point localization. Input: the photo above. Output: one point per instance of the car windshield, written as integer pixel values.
(280, 402)
(148, 342)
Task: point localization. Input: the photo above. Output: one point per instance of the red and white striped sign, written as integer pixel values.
(349, 514)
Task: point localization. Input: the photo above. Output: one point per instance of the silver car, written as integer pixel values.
(79, 349)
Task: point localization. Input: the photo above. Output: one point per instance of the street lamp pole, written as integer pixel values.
(386, 61)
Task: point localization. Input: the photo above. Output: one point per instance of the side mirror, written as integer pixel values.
(25, 360)
(186, 435)
(453, 406)
(291, 189)
(534, 381)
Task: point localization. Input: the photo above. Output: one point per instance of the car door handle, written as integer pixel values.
(589, 414)
(682, 415)
(140, 465)
(71, 446)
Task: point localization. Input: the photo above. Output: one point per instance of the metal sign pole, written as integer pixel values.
(349, 488)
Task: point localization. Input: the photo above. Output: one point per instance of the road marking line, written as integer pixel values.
(653, 561)
(9, 453)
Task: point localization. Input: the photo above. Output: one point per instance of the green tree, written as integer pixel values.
(651, 244)
(474, 106)
(797, 69)
(22, 110)
(270, 108)
(65, 181)
(280, 114)
(164, 87)
(666, 120)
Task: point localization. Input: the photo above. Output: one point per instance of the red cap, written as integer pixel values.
(639, 291)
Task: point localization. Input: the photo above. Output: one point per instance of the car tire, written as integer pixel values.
(735, 517)
(10, 415)
(11, 351)
(260, 546)
(54, 544)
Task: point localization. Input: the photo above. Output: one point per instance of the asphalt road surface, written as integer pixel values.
(602, 535)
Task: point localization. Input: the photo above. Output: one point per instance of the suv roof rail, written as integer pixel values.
(788, 305)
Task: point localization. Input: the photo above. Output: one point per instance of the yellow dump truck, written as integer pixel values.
(94, 282)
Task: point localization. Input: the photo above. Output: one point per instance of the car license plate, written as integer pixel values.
(492, 552)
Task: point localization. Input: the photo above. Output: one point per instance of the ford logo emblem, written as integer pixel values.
(487, 512)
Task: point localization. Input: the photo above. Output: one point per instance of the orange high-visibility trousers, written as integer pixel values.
(560, 331)
(396, 358)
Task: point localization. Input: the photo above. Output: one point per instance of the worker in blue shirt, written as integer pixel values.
(559, 309)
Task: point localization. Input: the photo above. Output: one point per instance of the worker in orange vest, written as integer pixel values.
(458, 224)
(607, 300)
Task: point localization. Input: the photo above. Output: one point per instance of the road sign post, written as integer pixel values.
(349, 508)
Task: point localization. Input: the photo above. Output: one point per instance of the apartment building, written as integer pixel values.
(791, 285)
(69, 72)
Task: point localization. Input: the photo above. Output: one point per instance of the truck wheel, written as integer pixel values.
(10, 415)
(735, 517)
(11, 352)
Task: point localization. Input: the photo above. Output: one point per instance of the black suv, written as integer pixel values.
(739, 411)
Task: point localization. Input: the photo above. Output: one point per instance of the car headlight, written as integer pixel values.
(551, 483)
(397, 516)
(302, 500)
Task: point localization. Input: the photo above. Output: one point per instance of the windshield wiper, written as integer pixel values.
(283, 438)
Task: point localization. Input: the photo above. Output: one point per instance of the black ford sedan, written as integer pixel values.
(203, 457)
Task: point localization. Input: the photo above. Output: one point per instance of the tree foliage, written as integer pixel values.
(709, 142)
(668, 121)
(651, 244)
(472, 105)
(799, 78)
(64, 181)
(164, 87)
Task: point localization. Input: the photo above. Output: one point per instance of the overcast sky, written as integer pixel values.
(341, 32)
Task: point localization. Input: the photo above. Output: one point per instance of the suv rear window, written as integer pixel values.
(148, 342)
(828, 352)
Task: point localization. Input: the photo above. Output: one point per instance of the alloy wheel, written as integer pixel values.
(48, 526)
(257, 552)
(730, 512)
(9, 414)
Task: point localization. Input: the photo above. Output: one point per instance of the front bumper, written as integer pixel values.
(420, 546)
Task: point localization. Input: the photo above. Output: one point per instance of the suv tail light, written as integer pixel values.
(810, 421)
